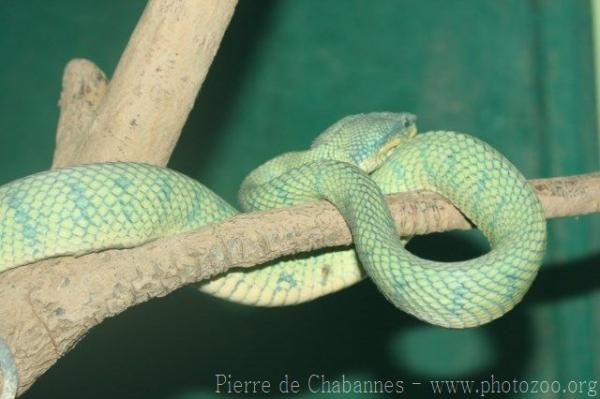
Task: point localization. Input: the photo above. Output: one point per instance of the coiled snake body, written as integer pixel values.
(88, 208)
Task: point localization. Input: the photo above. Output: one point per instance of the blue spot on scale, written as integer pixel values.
(286, 278)
(122, 182)
(165, 188)
(14, 201)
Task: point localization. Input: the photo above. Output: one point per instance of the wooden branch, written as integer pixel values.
(153, 88)
(46, 316)
(84, 86)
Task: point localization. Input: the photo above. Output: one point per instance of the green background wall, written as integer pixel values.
(516, 73)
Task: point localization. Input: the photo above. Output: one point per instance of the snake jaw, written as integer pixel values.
(387, 149)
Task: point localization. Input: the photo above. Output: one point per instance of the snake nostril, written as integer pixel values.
(410, 119)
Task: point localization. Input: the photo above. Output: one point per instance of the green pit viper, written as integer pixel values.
(89, 208)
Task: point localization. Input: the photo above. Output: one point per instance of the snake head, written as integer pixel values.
(367, 140)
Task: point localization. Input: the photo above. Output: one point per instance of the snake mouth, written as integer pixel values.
(390, 146)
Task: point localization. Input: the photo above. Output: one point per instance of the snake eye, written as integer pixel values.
(409, 120)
